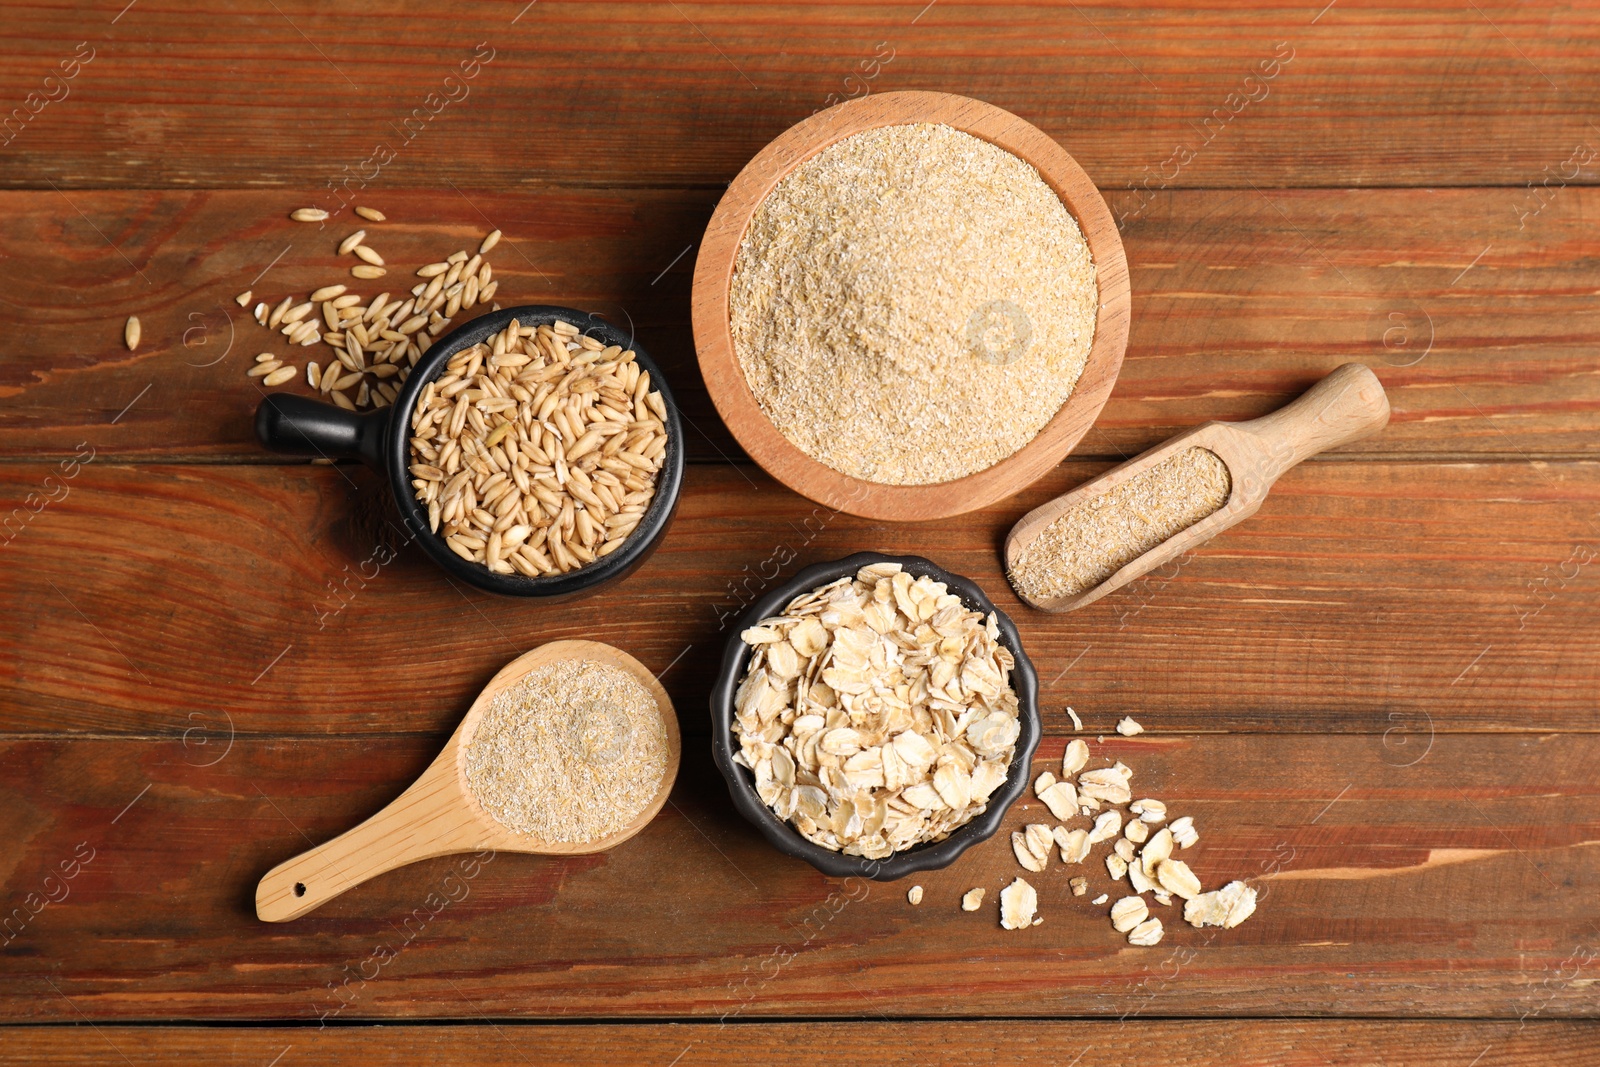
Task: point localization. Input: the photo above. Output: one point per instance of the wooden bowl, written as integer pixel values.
(719, 364)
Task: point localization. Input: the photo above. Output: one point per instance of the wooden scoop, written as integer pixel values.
(1346, 406)
(439, 816)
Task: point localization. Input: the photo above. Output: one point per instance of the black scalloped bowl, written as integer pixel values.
(785, 838)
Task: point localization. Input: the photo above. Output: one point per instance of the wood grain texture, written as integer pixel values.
(1481, 332)
(156, 599)
(1457, 886)
(742, 413)
(317, 98)
(1183, 1043)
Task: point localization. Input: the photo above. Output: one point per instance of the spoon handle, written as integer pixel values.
(1347, 405)
(432, 818)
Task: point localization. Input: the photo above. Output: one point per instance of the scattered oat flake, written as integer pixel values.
(1077, 723)
(1025, 856)
(1074, 844)
(1146, 933)
(1106, 826)
(1109, 784)
(1176, 878)
(972, 899)
(914, 895)
(1226, 907)
(1183, 831)
(1018, 902)
(1062, 800)
(1150, 811)
(1075, 758)
(1128, 728)
(1101, 899)
(1080, 886)
(1128, 913)
(1155, 850)
(1141, 882)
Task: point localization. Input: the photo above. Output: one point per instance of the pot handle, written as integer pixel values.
(301, 426)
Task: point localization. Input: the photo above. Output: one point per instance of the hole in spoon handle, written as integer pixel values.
(429, 819)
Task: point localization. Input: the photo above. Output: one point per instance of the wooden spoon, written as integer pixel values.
(439, 816)
(1346, 406)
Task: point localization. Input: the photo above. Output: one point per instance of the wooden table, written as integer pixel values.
(1377, 697)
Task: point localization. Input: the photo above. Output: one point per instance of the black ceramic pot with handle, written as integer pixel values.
(301, 426)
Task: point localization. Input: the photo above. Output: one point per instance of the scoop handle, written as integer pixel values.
(1346, 406)
(432, 818)
(301, 426)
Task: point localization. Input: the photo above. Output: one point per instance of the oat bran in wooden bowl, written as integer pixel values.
(910, 306)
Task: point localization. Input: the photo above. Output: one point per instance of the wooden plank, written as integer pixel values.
(1481, 331)
(1458, 886)
(1182, 1043)
(1216, 94)
(1363, 594)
